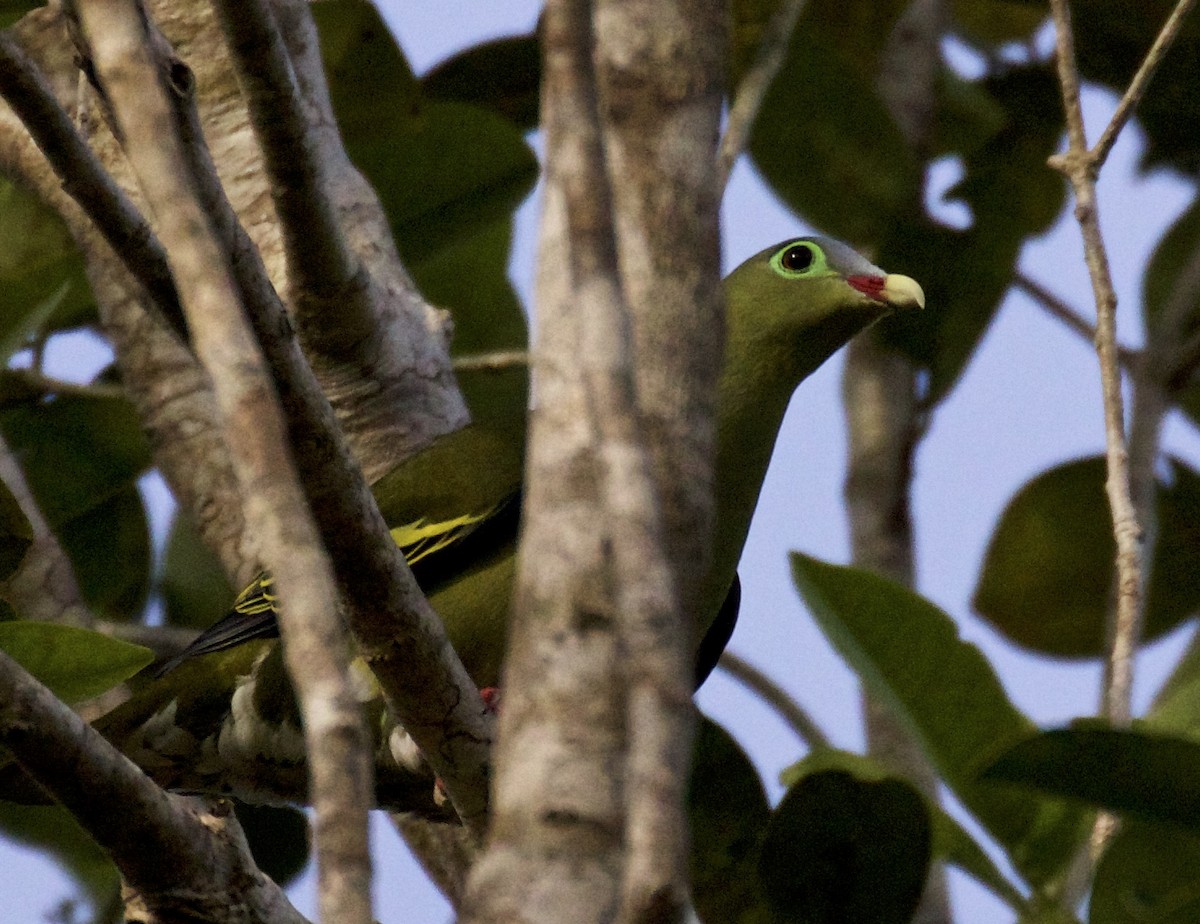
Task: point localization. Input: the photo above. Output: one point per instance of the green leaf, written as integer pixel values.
(907, 652)
(16, 533)
(1147, 873)
(728, 813)
(1111, 40)
(359, 52)
(1176, 708)
(195, 589)
(503, 76)
(1012, 195)
(446, 174)
(12, 10)
(443, 170)
(81, 457)
(1048, 572)
(990, 23)
(951, 843)
(76, 452)
(76, 664)
(109, 549)
(42, 283)
(1153, 776)
(1169, 267)
(822, 131)
(279, 839)
(842, 849)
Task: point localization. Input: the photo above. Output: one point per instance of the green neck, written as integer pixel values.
(763, 366)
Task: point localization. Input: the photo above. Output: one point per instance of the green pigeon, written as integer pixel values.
(221, 718)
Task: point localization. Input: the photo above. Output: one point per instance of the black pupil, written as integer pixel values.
(797, 258)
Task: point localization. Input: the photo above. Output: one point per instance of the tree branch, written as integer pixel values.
(1079, 167)
(337, 742)
(398, 634)
(768, 59)
(211, 876)
(775, 696)
(87, 182)
(1072, 319)
(1137, 87)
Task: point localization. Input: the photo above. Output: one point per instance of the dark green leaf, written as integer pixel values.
(907, 652)
(76, 664)
(1048, 572)
(840, 849)
(278, 837)
(109, 548)
(443, 170)
(370, 81)
(1154, 776)
(81, 457)
(76, 452)
(1168, 268)
(53, 829)
(828, 147)
(16, 534)
(1147, 873)
(42, 285)
(951, 843)
(487, 318)
(502, 75)
(194, 586)
(445, 175)
(728, 812)
(1111, 40)
(991, 23)
(12, 10)
(1012, 195)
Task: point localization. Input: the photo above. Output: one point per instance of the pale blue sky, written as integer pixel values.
(1028, 400)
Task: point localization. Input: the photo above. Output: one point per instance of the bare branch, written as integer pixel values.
(211, 876)
(768, 59)
(1137, 87)
(1130, 600)
(86, 181)
(319, 263)
(398, 634)
(775, 696)
(491, 362)
(276, 510)
(1072, 319)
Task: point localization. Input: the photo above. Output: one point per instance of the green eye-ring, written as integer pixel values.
(799, 259)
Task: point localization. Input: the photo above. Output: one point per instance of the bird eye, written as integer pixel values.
(797, 258)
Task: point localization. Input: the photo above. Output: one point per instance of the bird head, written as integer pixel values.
(795, 303)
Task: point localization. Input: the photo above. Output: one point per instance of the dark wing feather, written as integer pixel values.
(435, 551)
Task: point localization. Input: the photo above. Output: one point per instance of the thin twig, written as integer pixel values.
(86, 181)
(1125, 626)
(1059, 309)
(1137, 86)
(491, 362)
(1130, 598)
(768, 59)
(775, 696)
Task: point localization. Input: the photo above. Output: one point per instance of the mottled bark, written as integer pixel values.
(588, 821)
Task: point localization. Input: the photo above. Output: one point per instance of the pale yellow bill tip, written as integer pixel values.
(903, 291)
